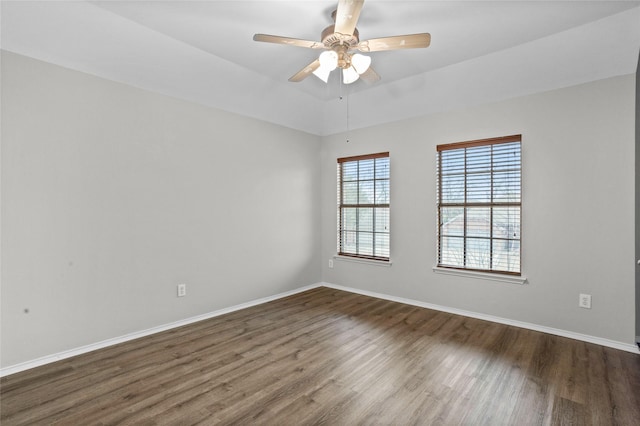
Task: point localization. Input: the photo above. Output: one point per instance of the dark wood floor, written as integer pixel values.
(330, 357)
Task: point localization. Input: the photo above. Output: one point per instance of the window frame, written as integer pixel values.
(465, 205)
(375, 205)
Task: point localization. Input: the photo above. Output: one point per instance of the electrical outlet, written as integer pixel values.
(584, 301)
(330, 263)
(182, 290)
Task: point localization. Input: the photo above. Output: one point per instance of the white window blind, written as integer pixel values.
(479, 205)
(363, 206)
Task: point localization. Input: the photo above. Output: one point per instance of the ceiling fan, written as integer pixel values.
(340, 41)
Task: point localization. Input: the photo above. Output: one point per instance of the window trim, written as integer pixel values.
(362, 260)
(484, 275)
(470, 271)
(354, 256)
(479, 142)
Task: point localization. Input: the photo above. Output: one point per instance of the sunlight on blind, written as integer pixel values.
(363, 206)
(479, 205)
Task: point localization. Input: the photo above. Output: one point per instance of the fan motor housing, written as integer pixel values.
(331, 39)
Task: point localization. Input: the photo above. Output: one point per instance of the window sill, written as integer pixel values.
(512, 279)
(382, 263)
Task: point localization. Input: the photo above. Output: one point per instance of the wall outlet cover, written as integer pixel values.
(182, 290)
(584, 301)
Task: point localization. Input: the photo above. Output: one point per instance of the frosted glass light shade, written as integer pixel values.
(360, 62)
(349, 75)
(329, 60)
(322, 73)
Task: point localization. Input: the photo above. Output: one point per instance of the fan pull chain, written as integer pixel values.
(341, 98)
(348, 129)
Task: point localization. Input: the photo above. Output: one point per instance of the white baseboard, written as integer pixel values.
(558, 332)
(12, 369)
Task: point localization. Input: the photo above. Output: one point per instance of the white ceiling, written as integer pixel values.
(203, 51)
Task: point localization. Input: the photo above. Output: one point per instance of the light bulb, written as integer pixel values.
(349, 75)
(322, 73)
(329, 60)
(360, 62)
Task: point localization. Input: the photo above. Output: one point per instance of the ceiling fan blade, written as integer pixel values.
(347, 16)
(410, 41)
(305, 72)
(370, 76)
(288, 40)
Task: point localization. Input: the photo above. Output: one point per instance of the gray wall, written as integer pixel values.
(578, 208)
(111, 196)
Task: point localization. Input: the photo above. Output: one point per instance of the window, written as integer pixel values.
(363, 206)
(479, 205)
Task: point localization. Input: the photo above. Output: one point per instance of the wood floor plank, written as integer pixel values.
(330, 357)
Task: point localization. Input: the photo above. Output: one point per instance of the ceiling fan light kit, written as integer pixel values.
(340, 41)
(361, 63)
(349, 75)
(322, 73)
(352, 65)
(328, 60)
